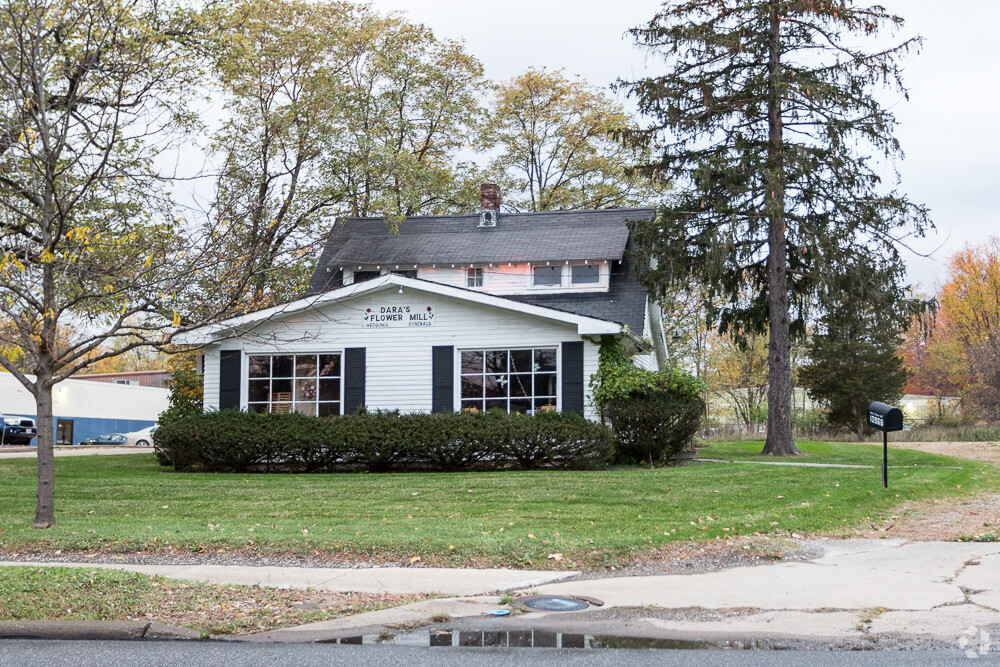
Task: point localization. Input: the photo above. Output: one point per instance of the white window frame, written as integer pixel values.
(247, 404)
(566, 283)
(475, 277)
(556, 399)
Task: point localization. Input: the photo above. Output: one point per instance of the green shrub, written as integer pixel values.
(653, 415)
(233, 441)
(185, 396)
(457, 441)
(557, 440)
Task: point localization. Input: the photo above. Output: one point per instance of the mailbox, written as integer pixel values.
(884, 417)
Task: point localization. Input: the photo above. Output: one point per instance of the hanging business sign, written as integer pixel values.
(390, 317)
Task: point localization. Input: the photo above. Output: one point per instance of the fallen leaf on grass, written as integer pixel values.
(555, 557)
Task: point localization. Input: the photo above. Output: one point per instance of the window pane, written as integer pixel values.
(520, 405)
(329, 389)
(520, 361)
(260, 367)
(258, 407)
(496, 361)
(496, 386)
(545, 384)
(329, 365)
(547, 275)
(586, 273)
(472, 386)
(520, 385)
(329, 409)
(305, 365)
(306, 409)
(545, 359)
(305, 390)
(472, 406)
(496, 405)
(281, 366)
(472, 362)
(258, 391)
(281, 390)
(361, 276)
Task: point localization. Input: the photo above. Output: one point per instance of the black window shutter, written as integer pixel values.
(354, 379)
(230, 367)
(572, 377)
(442, 378)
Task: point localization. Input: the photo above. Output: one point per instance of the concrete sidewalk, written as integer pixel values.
(855, 591)
(390, 580)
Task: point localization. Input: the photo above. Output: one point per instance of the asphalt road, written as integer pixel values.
(48, 653)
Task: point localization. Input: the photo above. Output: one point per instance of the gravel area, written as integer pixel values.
(946, 519)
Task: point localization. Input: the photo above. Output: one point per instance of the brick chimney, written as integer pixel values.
(489, 204)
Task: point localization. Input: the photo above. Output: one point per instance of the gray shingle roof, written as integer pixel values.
(517, 237)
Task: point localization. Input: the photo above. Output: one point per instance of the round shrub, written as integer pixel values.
(653, 415)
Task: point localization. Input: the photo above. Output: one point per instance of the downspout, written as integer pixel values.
(656, 326)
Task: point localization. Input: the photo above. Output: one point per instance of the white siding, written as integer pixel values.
(501, 279)
(211, 378)
(398, 360)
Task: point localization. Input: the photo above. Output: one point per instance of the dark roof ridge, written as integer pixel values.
(502, 213)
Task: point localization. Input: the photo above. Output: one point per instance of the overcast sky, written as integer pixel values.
(948, 128)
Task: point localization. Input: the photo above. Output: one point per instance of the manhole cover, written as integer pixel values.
(554, 603)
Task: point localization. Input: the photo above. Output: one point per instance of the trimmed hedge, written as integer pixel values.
(234, 441)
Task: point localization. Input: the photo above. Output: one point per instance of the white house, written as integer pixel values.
(477, 312)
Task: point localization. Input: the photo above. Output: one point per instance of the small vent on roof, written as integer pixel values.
(487, 218)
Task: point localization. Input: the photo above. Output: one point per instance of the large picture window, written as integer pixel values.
(306, 383)
(509, 380)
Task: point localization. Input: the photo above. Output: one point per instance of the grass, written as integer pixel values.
(868, 454)
(60, 593)
(128, 503)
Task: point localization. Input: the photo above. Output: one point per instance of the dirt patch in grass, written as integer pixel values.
(969, 517)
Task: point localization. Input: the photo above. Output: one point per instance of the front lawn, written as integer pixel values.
(128, 503)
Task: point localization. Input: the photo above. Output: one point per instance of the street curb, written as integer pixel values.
(93, 630)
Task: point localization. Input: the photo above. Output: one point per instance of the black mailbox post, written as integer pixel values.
(885, 418)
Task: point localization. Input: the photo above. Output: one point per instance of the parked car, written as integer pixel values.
(18, 431)
(142, 437)
(106, 439)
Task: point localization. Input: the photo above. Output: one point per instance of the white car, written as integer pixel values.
(142, 438)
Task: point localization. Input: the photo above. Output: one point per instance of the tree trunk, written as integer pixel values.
(45, 506)
(860, 412)
(779, 440)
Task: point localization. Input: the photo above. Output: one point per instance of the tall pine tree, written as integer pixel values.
(767, 119)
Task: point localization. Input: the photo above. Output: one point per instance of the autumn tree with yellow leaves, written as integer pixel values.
(93, 263)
